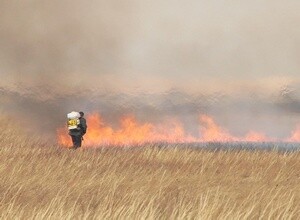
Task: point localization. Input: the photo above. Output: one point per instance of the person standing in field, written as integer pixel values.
(78, 133)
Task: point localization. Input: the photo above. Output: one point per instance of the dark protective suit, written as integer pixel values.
(77, 134)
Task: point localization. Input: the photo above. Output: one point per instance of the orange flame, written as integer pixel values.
(63, 138)
(132, 132)
(295, 136)
(211, 132)
(254, 136)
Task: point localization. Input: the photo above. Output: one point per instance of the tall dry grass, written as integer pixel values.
(48, 182)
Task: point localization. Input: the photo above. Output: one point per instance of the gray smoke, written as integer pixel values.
(237, 61)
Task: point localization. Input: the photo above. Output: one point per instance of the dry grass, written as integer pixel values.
(47, 182)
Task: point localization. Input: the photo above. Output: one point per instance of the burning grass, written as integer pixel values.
(133, 132)
(48, 182)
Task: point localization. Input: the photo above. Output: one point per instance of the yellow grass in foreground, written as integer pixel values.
(46, 182)
(54, 183)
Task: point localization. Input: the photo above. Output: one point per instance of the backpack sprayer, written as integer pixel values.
(73, 121)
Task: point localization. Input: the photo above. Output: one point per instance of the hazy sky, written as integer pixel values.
(151, 45)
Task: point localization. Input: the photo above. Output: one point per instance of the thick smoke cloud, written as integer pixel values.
(234, 60)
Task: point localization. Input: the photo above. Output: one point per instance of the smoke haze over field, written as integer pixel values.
(235, 60)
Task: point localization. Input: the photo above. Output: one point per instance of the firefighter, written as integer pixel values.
(77, 134)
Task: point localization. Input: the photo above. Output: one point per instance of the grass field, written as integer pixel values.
(49, 182)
